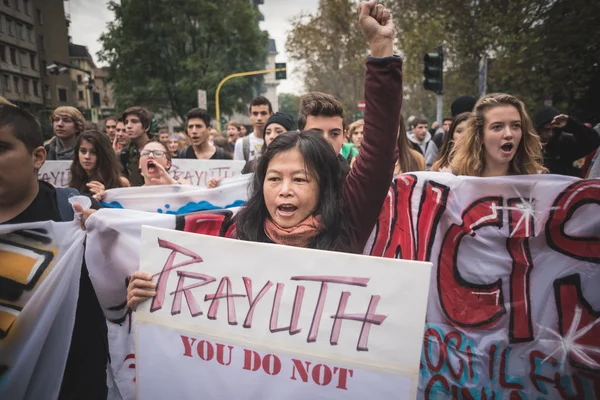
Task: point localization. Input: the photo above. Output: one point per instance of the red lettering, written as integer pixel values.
(187, 345)
(271, 364)
(343, 377)
(505, 381)
(322, 379)
(578, 322)
(216, 298)
(293, 327)
(251, 301)
(205, 350)
(437, 392)
(521, 227)
(464, 303)
(431, 208)
(163, 276)
(576, 195)
(251, 360)
(303, 372)
(187, 291)
(221, 354)
(439, 342)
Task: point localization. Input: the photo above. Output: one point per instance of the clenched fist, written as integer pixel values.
(377, 26)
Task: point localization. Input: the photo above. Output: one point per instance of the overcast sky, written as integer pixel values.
(89, 19)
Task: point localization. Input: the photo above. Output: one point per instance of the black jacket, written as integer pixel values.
(576, 141)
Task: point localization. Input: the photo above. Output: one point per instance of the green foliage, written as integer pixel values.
(160, 52)
(332, 51)
(536, 46)
(289, 104)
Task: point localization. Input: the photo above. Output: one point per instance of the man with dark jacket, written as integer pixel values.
(564, 140)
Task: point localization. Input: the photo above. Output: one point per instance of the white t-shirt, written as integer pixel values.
(256, 145)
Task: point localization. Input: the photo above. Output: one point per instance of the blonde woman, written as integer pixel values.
(499, 140)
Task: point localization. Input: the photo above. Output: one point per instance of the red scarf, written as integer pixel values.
(297, 236)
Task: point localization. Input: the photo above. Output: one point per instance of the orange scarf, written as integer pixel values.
(297, 236)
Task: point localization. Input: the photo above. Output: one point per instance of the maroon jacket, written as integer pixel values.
(367, 185)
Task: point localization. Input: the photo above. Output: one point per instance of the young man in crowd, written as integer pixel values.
(420, 135)
(122, 137)
(198, 130)
(564, 140)
(25, 199)
(163, 135)
(67, 123)
(250, 146)
(233, 133)
(138, 121)
(324, 113)
(110, 127)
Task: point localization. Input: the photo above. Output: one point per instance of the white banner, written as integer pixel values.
(519, 255)
(514, 302)
(40, 266)
(197, 172)
(323, 324)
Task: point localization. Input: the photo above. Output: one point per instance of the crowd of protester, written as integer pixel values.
(317, 178)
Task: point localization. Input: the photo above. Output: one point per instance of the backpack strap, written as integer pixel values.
(246, 147)
(62, 201)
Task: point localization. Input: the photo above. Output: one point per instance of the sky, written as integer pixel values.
(89, 19)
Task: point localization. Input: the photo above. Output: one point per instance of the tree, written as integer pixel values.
(331, 51)
(160, 54)
(289, 103)
(537, 47)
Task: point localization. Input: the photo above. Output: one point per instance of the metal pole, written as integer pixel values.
(440, 103)
(239, 74)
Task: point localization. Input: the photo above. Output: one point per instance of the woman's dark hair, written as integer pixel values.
(321, 162)
(107, 169)
(448, 143)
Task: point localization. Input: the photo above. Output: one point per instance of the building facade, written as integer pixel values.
(20, 79)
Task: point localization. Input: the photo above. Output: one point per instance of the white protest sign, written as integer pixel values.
(56, 173)
(278, 321)
(197, 172)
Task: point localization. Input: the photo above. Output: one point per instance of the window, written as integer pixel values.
(13, 56)
(16, 2)
(26, 86)
(45, 67)
(36, 91)
(62, 95)
(79, 79)
(16, 84)
(32, 62)
(9, 27)
(6, 83)
(40, 20)
(80, 95)
(7, 3)
(2, 53)
(1, 28)
(42, 45)
(20, 31)
(30, 34)
(47, 92)
(24, 59)
(26, 7)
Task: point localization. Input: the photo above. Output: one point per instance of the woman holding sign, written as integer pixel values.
(298, 194)
(95, 167)
(499, 140)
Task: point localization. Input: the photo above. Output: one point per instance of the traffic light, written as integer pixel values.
(434, 71)
(281, 74)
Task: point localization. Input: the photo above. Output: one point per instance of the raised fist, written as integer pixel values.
(377, 26)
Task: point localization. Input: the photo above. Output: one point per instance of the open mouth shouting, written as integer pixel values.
(152, 166)
(286, 210)
(507, 148)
